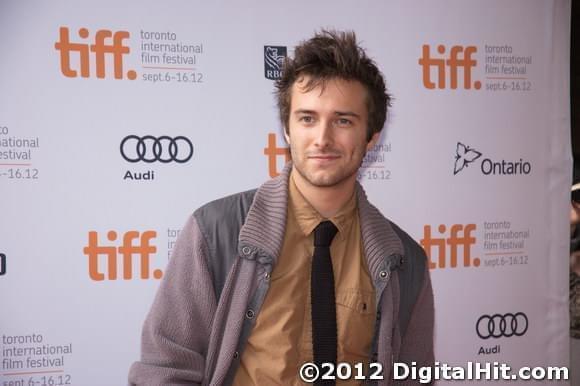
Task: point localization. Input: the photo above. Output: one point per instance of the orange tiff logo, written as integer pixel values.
(272, 151)
(447, 68)
(459, 236)
(127, 250)
(100, 50)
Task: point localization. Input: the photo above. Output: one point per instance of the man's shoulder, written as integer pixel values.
(219, 222)
(227, 208)
(377, 220)
(410, 245)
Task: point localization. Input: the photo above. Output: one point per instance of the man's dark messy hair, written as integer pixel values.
(329, 55)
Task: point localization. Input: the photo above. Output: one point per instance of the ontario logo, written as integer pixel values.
(274, 57)
(90, 54)
(466, 155)
(443, 72)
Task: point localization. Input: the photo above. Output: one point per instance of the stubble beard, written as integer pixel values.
(325, 180)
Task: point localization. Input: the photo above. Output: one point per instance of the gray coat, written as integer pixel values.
(218, 276)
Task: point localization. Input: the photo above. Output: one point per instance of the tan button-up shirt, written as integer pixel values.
(281, 340)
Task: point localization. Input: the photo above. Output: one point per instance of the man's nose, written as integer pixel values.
(324, 133)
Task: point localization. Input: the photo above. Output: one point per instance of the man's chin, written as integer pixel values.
(324, 180)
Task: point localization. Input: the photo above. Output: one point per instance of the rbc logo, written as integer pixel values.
(2, 264)
(460, 236)
(100, 49)
(143, 249)
(273, 60)
(459, 57)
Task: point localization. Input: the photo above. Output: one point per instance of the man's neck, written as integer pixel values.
(325, 200)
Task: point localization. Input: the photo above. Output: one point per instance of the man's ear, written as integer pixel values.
(286, 135)
(374, 140)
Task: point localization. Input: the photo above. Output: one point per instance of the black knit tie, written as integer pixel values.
(323, 299)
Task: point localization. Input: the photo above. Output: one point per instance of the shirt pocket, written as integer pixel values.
(357, 300)
(355, 312)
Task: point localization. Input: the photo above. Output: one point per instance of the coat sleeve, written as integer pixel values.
(175, 337)
(417, 343)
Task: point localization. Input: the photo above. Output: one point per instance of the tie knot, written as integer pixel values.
(324, 233)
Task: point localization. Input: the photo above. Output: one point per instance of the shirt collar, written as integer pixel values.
(308, 218)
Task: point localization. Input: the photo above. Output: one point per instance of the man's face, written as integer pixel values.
(327, 131)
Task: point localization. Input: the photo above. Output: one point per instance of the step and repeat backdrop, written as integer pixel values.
(118, 119)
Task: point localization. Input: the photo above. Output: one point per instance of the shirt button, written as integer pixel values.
(236, 355)
(250, 314)
(383, 274)
(267, 276)
(246, 251)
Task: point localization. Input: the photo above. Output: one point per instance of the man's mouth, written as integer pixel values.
(324, 156)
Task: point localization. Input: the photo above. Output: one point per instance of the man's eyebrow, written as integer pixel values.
(347, 113)
(339, 113)
(304, 111)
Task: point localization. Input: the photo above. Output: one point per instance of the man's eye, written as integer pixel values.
(306, 119)
(344, 122)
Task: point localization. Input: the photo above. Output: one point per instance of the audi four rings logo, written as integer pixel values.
(150, 149)
(497, 326)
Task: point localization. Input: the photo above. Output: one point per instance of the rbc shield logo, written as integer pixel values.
(273, 60)
(2, 264)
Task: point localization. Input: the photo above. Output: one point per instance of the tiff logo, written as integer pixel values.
(127, 250)
(2, 264)
(459, 236)
(272, 151)
(100, 49)
(459, 57)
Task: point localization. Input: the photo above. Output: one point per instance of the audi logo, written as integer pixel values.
(497, 325)
(150, 149)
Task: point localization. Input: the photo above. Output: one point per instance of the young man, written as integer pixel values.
(303, 269)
